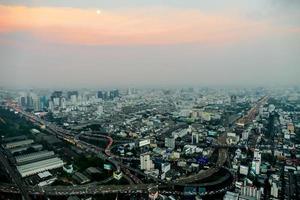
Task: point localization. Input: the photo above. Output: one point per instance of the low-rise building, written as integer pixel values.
(11, 145)
(34, 157)
(40, 166)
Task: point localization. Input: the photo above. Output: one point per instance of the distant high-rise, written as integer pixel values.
(74, 98)
(113, 94)
(29, 103)
(35, 100)
(56, 94)
(100, 95)
(233, 99)
(44, 102)
(108, 95)
(56, 98)
(23, 101)
(63, 103)
(72, 93)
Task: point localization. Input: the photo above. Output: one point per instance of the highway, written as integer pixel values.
(91, 189)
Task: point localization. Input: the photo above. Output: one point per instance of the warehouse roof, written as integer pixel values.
(40, 166)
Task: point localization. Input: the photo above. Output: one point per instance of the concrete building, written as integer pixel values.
(41, 155)
(232, 138)
(117, 175)
(146, 162)
(274, 190)
(231, 196)
(165, 167)
(92, 171)
(68, 168)
(244, 170)
(195, 138)
(170, 143)
(40, 166)
(256, 166)
(36, 147)
(80, 178)
(181, 133)
(256, 163)
(248, 192)
(11, 145)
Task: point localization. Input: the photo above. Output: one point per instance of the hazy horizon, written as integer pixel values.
(77, 44)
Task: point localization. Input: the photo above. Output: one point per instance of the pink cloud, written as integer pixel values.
(152, 26)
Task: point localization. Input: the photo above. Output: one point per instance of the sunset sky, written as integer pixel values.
(62, 43)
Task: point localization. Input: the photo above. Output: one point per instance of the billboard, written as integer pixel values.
(144, 142)
(107, 166)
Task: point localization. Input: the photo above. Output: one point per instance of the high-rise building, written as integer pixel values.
(256, 166)
(44, 102)
(257, 154)
(100, 95)
(35, 102)
(113, 94)
(23, 101)
(256, 161)
(29, 103)
(105, 95)
(63, 103)
(146, 162)
(51, 106)
(56, 98)
(73, 99)
(233, 100)
(195, 138)
(56, 101)
(56, 94)
(247, 192)
(274, 190)
(72, 93)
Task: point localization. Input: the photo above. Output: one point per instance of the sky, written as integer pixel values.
(136, 43)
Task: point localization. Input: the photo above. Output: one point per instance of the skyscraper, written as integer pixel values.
(100, 95)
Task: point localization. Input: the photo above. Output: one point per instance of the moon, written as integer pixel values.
(98, 12)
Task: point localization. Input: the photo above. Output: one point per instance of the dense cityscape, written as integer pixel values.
(190, 143)
(150, 100)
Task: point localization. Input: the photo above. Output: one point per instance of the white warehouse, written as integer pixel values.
(11, 145)
(40, 166)
(34, 156)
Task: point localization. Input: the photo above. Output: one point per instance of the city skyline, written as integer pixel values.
(149, 43)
